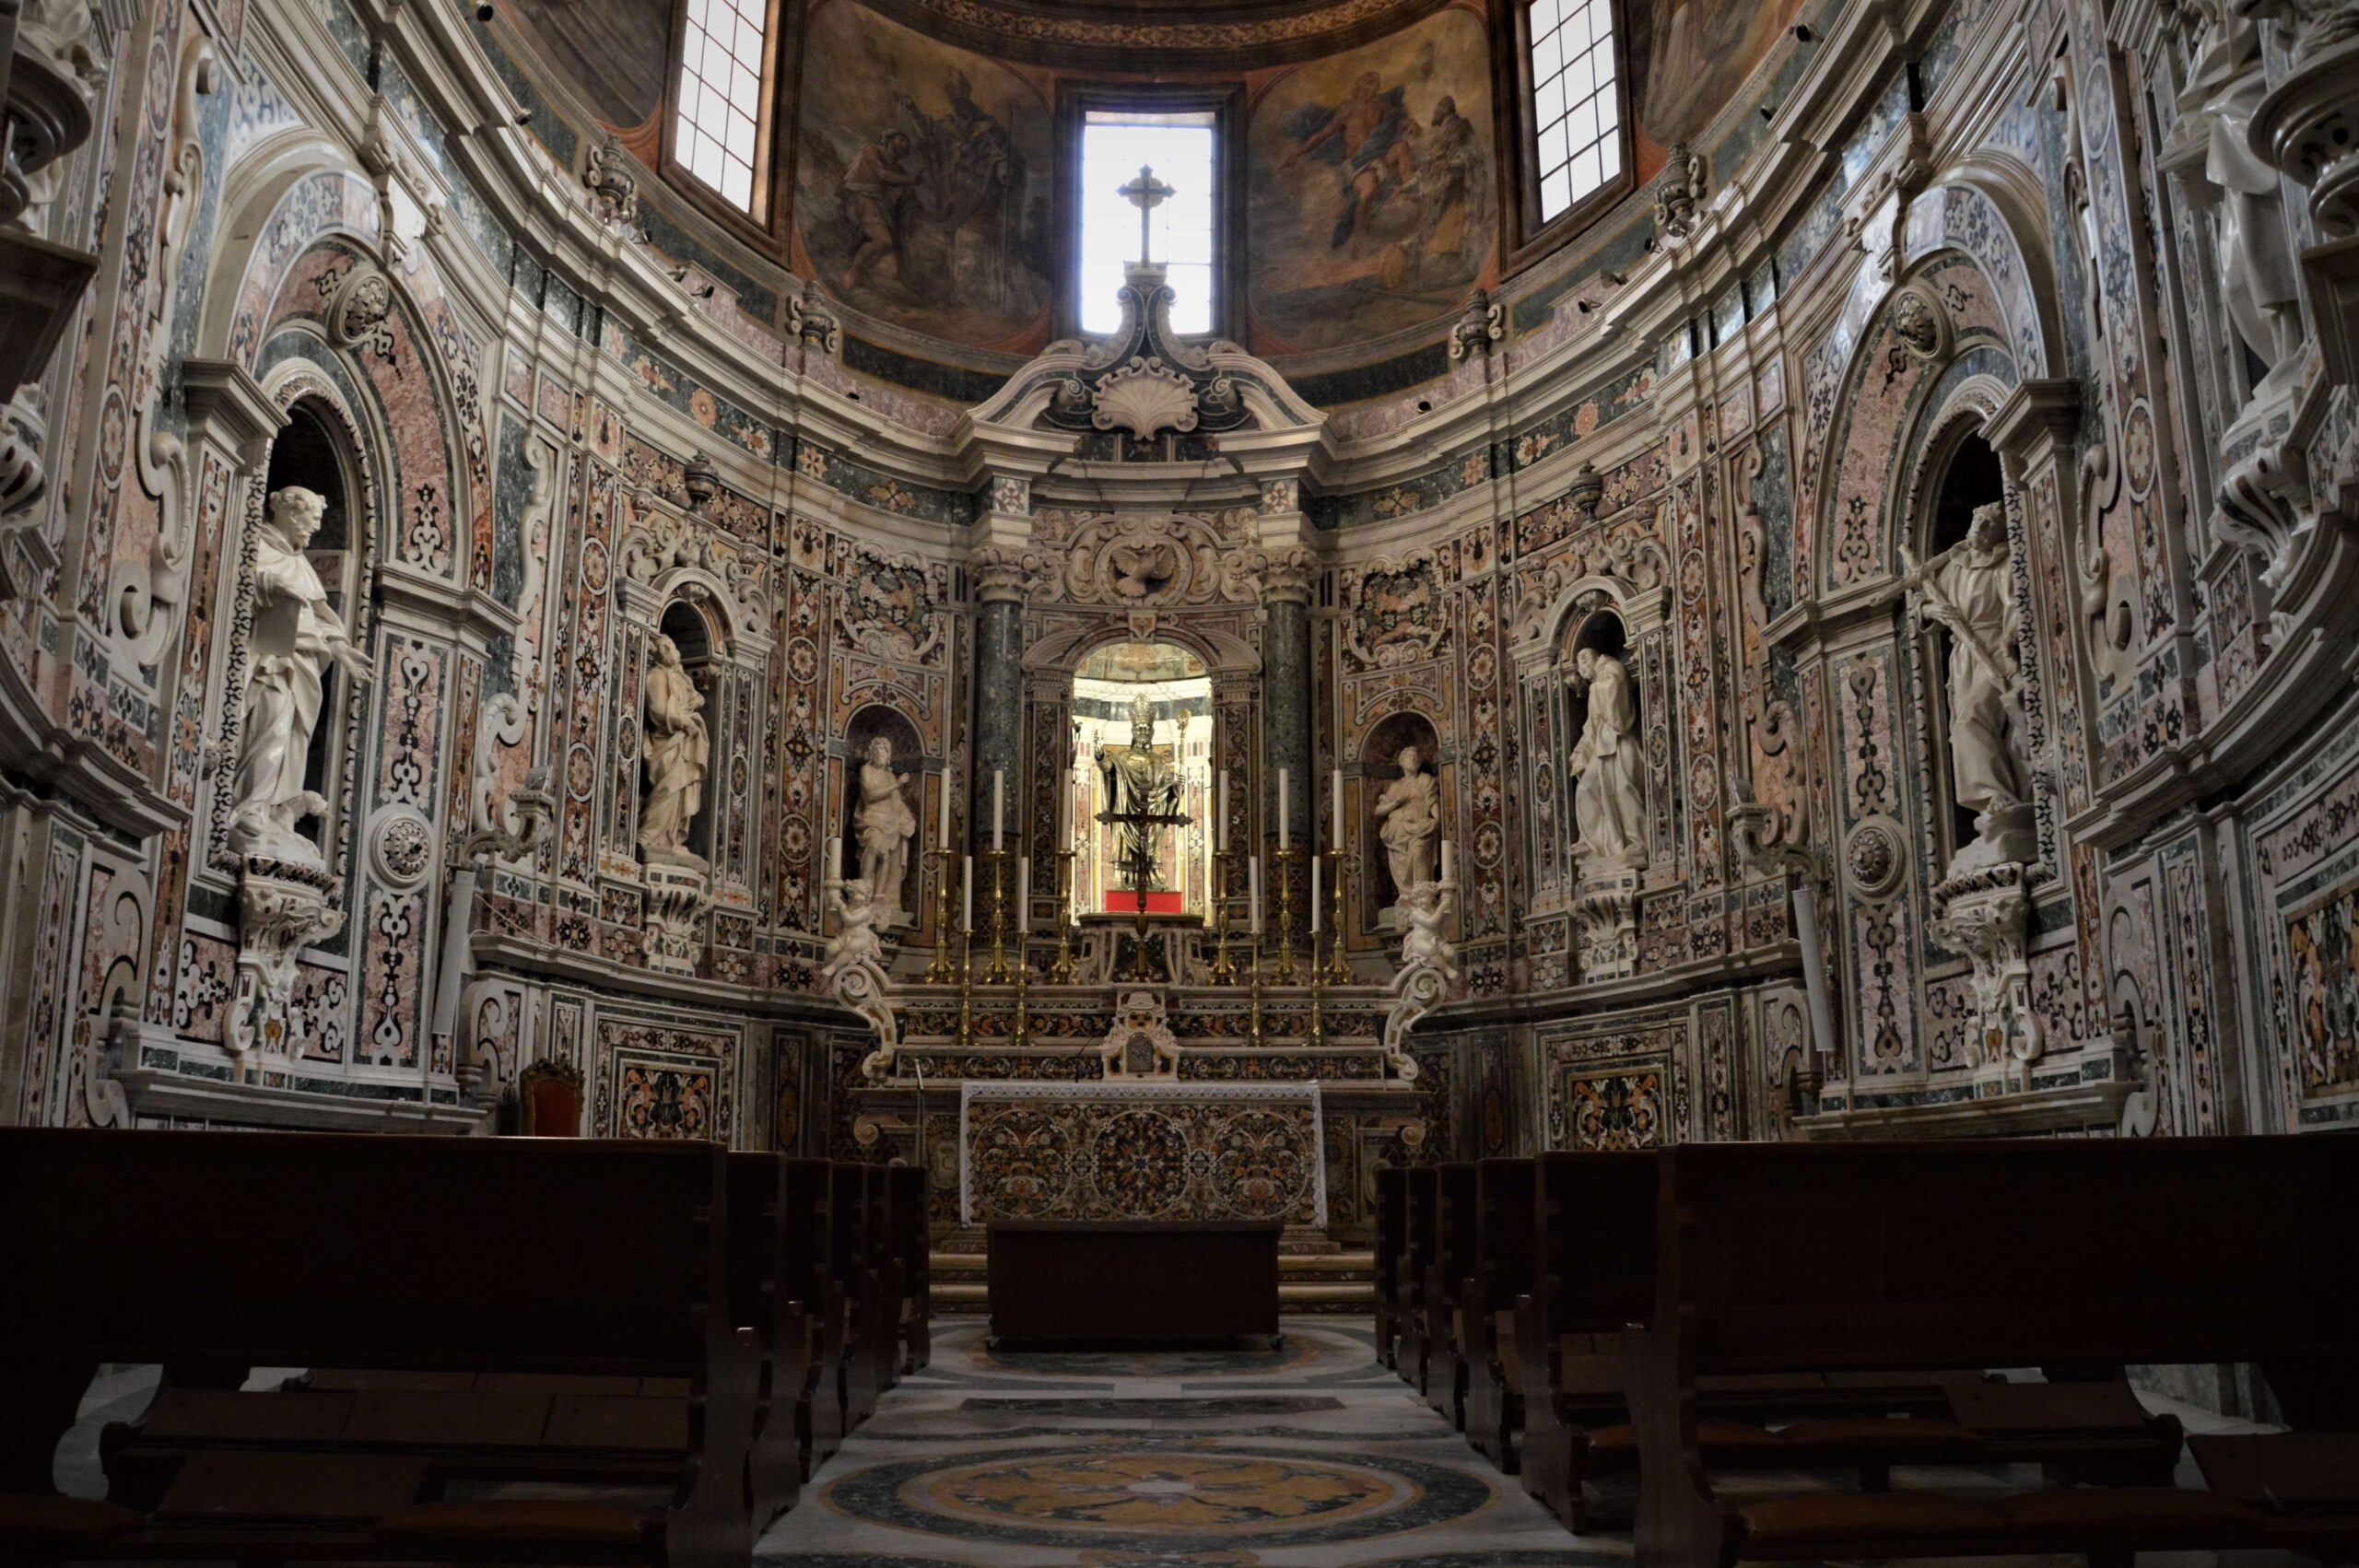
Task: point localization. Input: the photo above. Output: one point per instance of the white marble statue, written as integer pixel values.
(295, 633)
(1426, 942)
(1968, 588)
(1608, 810)
(1408, 813)
(2260, 279)
(678, 753)
(883, 824)
(856, 943)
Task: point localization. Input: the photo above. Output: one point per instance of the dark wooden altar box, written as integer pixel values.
(1133, 1283)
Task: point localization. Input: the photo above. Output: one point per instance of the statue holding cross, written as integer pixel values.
(1145, 193)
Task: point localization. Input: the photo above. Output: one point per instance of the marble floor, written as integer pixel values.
(1310, 1455)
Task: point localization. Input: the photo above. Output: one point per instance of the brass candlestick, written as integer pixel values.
(967, 986)
(1318, 984)
(1254, 1038)
(1224, 973)
(997, 974)
(1283, 971)
(1339, 968)
(942, 970)
(1022, 1032)
(1061, 970)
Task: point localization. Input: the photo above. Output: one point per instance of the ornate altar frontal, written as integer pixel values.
(1142, 1152)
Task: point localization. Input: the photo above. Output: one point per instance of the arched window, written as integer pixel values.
(1577, 102)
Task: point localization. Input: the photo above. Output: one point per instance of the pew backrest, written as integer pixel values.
(1593, 1253)
(1504, 1235)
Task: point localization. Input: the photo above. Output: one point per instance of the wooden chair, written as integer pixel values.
(457, 1261)
(1924, 1257)
(548, 1099)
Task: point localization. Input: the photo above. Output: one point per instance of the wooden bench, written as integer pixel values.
(1883, 1259)
(1421, 1200)
(763, 1279)
(885, 1268)
(810, 1202)
(1504, 1238)
(1453, 1259)
(541, 1262)
(860, 1381)
(911, 1242)
(1391, 1198)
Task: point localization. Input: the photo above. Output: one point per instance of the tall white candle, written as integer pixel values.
(943, 838)
(1282, 840)
(1220, 822)
(1314, 895)
(1253, 879)
(999, 806)
(1822, 1007)
(840, 860)
(1064, 811)
(1024, 894)
(1448, 858)
(1335, 793)
(967, 896)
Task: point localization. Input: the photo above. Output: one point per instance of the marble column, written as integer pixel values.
(999, 695)
(1286, 692)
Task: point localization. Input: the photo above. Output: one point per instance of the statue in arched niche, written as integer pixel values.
(1968, 590)
(1608, 807)
(885, 824)
(679, 755)
(1408, 813)
(296, 632)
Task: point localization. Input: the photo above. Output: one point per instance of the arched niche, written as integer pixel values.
(1382, 767)
(1961, 474)
(310, 452)
(867, 726)
(1167, 684)
(700, 646)
(1596, 627)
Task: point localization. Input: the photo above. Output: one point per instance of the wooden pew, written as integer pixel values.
(884, 1265)
(1392, 1199)
(1421, 1202)
(1592, 1270)
(848, 1240)
(458, 1258)
(810, 1203)
(1453, 1259)
(1505, 1236)
(763, 1292)
(1882, 1258)
(912, 1243)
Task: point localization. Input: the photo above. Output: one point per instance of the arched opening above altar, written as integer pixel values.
(1142, 731)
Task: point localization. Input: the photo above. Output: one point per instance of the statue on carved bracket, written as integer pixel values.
(885, 824)
(1609, 809)
(1409, 815)
(295, 633)
(1968, 590)
(679, 755)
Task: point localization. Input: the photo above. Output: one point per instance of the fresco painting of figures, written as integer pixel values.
(922, 181)
(1370, 197)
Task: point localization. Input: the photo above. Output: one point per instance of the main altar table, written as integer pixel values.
(1112, 1150)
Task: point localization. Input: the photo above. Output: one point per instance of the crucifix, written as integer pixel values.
(1145, 193)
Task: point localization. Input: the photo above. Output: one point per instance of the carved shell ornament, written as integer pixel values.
(1144, 396)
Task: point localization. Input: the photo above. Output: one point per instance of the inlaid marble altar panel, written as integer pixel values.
(1141, 1152)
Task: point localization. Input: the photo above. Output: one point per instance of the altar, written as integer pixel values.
(1155, 1150)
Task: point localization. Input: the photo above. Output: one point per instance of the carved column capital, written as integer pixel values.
(999, 575)
(1283, 576)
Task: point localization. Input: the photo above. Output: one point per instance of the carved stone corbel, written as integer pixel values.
(1985, 915)
(283, 907)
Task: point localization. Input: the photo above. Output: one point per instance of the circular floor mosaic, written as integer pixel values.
(1190, 1497)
